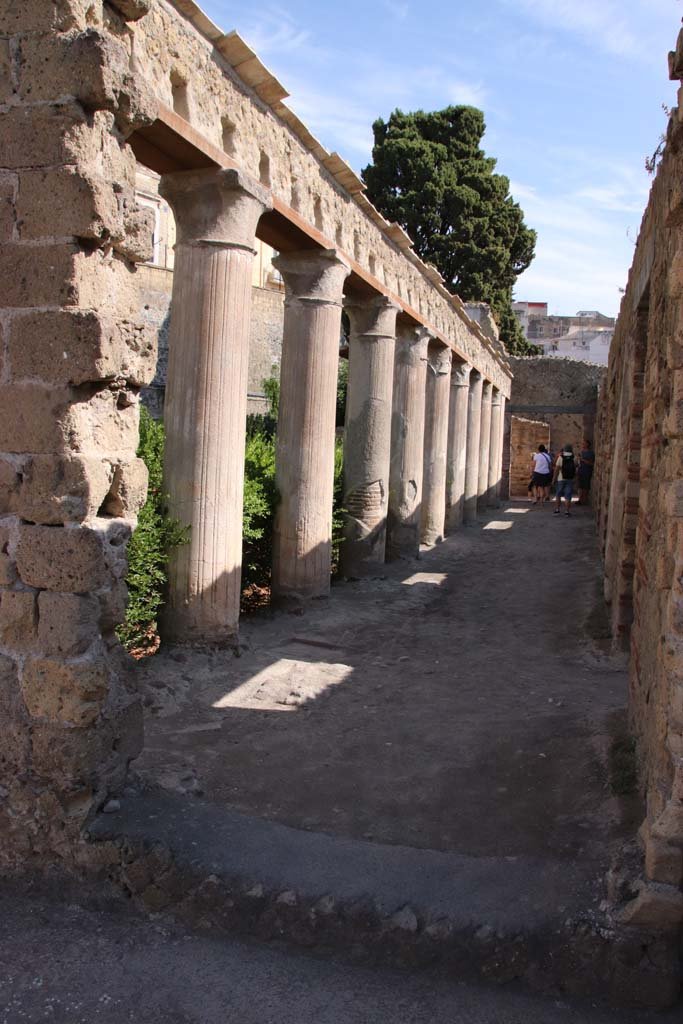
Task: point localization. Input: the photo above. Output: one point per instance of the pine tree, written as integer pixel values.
(430, 175)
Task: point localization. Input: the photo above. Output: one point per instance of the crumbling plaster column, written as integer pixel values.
(302, 536)
(407, 441)
(502, 470)
(216, 214)
(456, 459)
(433, 514)
(367, 434)
(484, 446)
(473, 437)
(496, 449)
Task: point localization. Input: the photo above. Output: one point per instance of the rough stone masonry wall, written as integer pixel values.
(640, 520)
(561, 392)
(72, 359)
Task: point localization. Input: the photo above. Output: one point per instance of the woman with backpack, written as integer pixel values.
(542, 472)
(563, 478)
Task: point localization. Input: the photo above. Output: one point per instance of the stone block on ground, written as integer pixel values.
(656, 906)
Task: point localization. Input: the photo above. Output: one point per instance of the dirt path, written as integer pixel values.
(460, 703)
(66, 964)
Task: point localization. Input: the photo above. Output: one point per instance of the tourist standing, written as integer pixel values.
(563, 478)
(541, 473)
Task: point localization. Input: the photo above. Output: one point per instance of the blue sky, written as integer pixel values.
(572, 91)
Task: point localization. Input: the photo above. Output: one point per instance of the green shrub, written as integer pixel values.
(154, 538)
(342, 387)
(271, 389)
(260, 503)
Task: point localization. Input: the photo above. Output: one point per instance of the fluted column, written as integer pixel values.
(473, 436)
(407, 442)
(367, 433)
(433, 514)
(304, 457)
(496, 450)
(503, 468)
(456, 459)
(484, 446)
(216, 214)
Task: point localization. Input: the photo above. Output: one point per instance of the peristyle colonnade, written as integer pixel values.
(423, 433)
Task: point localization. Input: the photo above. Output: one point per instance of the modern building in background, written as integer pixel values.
(587, 335)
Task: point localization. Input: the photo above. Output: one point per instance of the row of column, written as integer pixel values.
(423, 436)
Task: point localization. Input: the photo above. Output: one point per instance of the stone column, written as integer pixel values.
(484, 446)
(473, 436)
(433, 514)
(456, 459)
(304, 460)
(496, 450)
(407, 442)
(216, 213)
(367, 434)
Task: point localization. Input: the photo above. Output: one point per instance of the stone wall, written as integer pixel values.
(640, 516)
(561, 392)
(525, 437)
(73, 355)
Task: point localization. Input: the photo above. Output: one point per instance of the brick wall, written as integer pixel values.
(639, 505)
(525, 437)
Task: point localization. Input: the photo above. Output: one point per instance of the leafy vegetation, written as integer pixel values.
(156, 534)
(429, 173)
(154, 538)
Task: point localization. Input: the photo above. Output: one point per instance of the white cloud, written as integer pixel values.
(623, 30)
(469, 93)
(397, 9)
(583, 250)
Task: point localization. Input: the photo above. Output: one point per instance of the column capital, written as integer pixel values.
(460, 375)
(440, 358)
(414, 341)
(488, 388)
(313, 275)
(374, 316)
(215, 206)
(496, 398)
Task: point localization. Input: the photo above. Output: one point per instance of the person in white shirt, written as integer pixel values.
(541, 473)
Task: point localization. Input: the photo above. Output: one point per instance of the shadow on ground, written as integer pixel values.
(464, 702)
